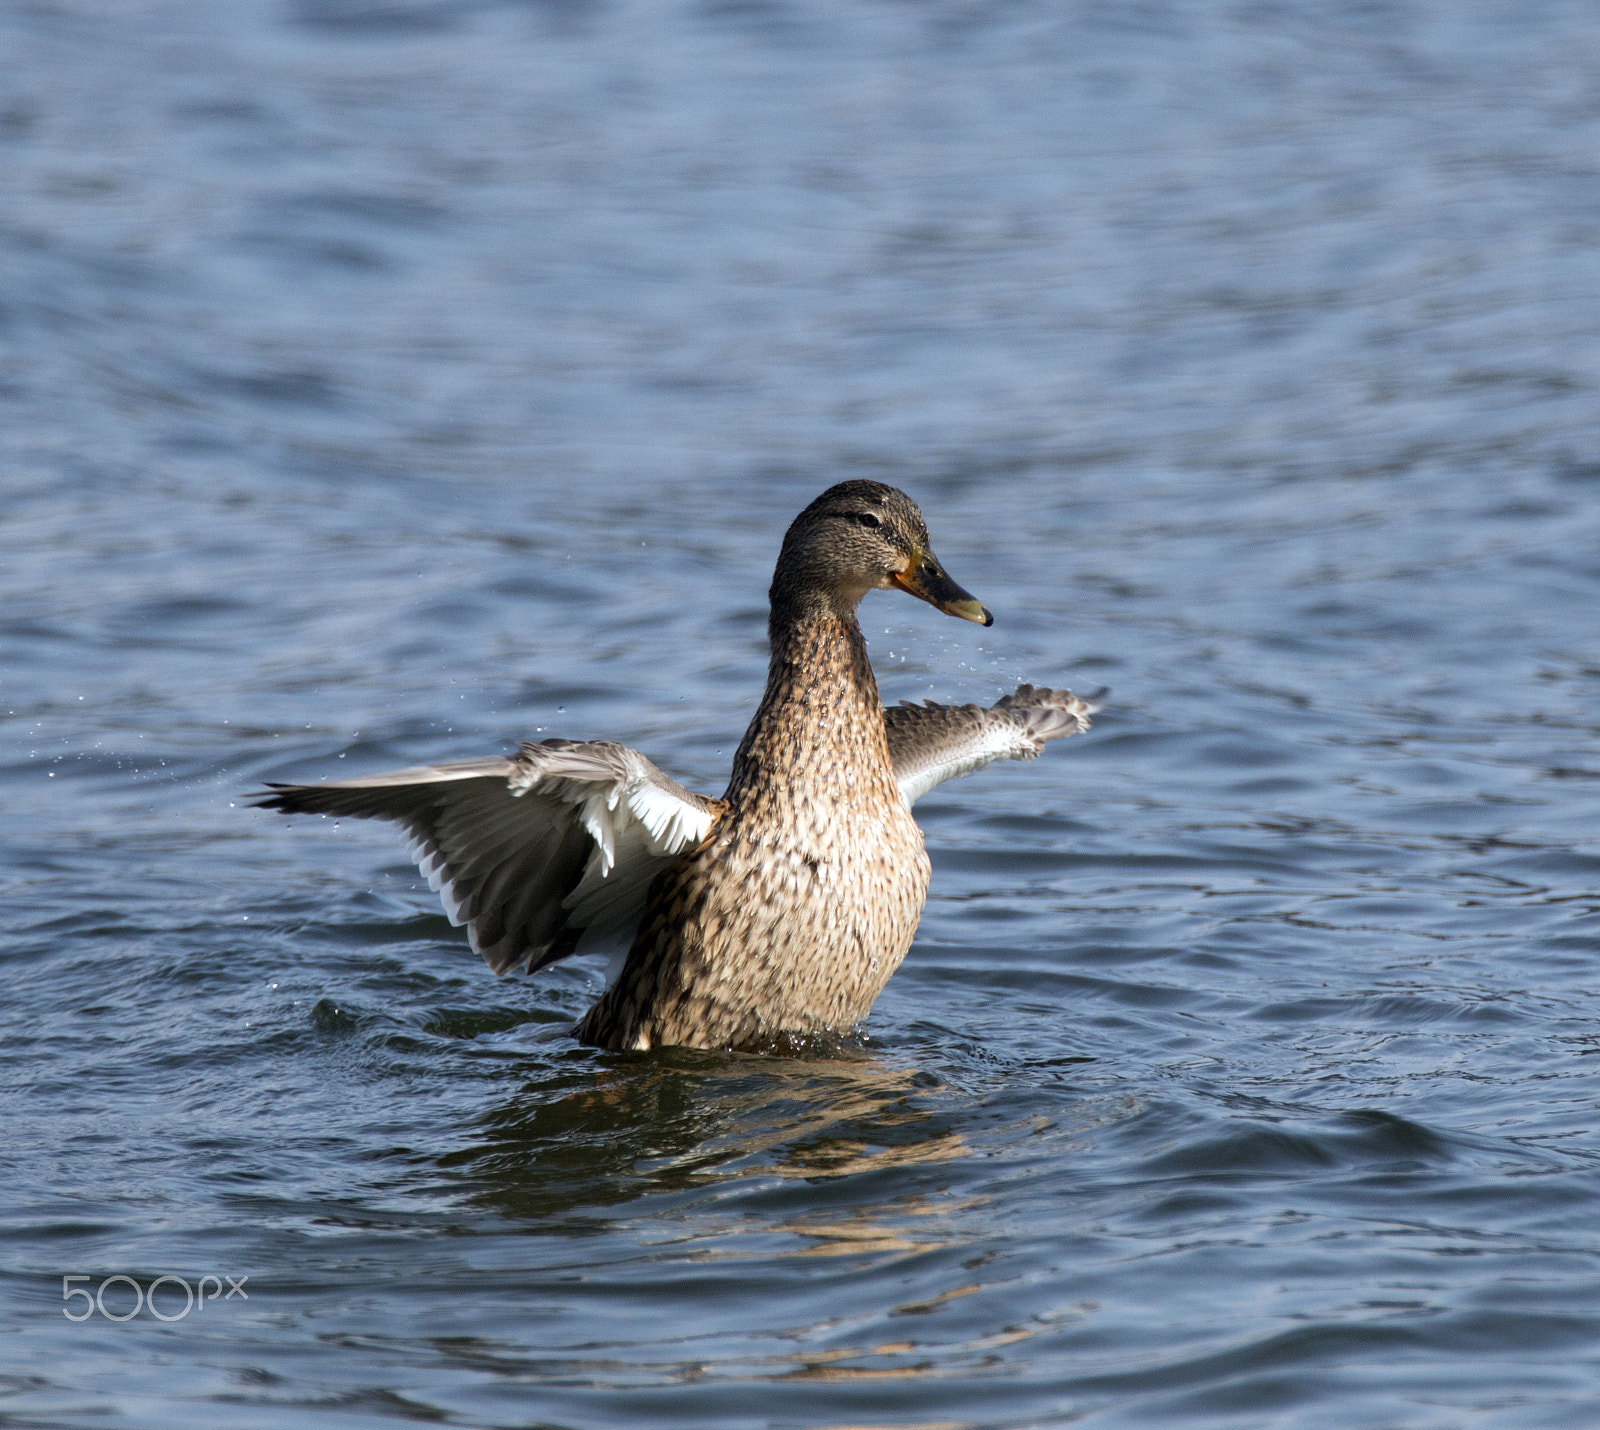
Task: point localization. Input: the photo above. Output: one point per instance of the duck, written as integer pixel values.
(773, 915)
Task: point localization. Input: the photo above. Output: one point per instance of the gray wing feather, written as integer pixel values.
(528, 852)
(932, 743)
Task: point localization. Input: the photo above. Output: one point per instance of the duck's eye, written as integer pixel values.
(867, 519)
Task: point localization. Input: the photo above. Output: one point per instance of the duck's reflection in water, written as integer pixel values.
(585, 1138)
(827, 1214)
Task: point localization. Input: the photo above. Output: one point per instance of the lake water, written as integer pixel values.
(384, 381)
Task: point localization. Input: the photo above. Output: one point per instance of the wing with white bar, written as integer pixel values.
(541, 855)
(930, 743)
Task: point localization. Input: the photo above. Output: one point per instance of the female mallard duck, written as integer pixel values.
(781, 908)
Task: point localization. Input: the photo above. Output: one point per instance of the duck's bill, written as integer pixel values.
(924, 578)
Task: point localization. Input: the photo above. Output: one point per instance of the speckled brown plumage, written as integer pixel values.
(791, 916)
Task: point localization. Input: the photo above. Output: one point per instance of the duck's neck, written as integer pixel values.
(820, 722)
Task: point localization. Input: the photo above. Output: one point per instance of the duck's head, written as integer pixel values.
(864, 536)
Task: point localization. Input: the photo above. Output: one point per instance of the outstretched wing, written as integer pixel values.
(535, 853)
(930, 743)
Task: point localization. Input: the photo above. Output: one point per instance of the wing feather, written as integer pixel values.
(931, 743)
(531, 853)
